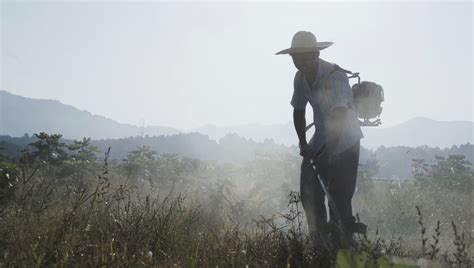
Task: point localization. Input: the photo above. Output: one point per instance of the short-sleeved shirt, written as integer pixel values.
(330, 90)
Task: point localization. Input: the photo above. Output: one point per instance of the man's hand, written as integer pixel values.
(306, 150)
(323, 158)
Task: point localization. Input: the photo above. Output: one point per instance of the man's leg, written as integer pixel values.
(312, 197)
(342, 182)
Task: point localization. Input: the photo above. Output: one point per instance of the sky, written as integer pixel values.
(187, 64)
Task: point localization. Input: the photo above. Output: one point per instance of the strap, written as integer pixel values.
(334, 69)
(353, 75)
(309, 126)
(337, 67)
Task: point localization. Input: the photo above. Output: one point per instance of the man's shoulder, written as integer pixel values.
(326, 64)
(326, 67)
(333, 71)
(298, 76)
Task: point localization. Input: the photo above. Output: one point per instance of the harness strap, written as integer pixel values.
(334, 69)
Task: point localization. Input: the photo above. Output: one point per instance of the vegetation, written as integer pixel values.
(392, 162)
(61, 205)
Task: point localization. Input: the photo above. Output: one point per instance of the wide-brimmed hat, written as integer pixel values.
(304, 42)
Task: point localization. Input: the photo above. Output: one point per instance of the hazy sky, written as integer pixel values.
(189, 64)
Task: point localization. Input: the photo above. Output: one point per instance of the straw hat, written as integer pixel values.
(304, 42)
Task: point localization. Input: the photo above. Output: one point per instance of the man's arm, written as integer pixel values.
(299, 120)
(299, 101)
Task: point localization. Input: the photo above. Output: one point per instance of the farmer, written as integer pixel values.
(334, 147)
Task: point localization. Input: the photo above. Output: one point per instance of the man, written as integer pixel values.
(335, 144)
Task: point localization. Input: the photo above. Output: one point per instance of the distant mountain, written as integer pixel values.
(280, 133)
(415, 132)
(421, 131)
(20, 115)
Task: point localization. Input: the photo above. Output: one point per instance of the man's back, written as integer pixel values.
(331, 90)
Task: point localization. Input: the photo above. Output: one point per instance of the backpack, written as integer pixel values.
(368, 97)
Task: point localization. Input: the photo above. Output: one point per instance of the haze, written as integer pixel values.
(188, 64)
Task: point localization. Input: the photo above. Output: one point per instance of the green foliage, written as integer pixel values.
(353, 259)
(393, 162)
(8, 180)
(453, 173)
(165, 210)
(49, 153)
(365, 175)
(49, 148)
(138, 163)
(81, 161)
(84, 151)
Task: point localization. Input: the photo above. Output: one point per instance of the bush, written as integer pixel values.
(190, 213)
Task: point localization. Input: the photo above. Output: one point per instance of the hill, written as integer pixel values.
(415, 132)
(20, 115)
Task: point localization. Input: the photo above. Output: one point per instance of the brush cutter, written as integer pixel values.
(343, 230)
(332, 205)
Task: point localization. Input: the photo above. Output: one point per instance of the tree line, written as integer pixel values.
(391, 162)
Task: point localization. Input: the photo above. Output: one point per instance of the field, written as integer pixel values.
(72, 208)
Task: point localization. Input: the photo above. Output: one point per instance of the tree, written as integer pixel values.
(85, 151)
(366, 173)
(172, 170)
(49, 151)
(82, 162)
(452, 173)
(8, 179)
(139, 164)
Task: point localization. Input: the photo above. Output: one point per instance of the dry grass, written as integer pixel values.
(103, 221)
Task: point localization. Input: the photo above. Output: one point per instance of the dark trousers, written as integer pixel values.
(340, 178)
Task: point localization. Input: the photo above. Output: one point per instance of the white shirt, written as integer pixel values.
(328, 92)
